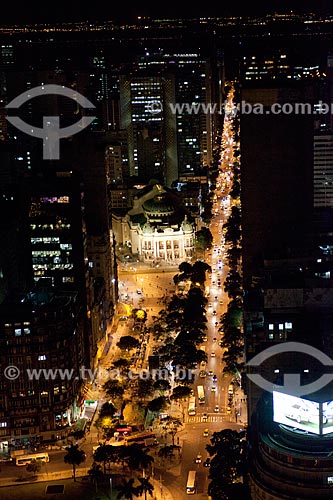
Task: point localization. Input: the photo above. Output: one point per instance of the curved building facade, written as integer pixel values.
(289, 463)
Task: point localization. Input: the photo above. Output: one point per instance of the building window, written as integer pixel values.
(42, 357)
(18, 332)
(288, 325)
(281, 326)
(271, 326)
(271, 336)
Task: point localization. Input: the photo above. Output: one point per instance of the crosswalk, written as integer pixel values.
(195, 419)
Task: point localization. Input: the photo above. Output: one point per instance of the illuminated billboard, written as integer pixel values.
(302, 413)
(297, 412)
(327, 417)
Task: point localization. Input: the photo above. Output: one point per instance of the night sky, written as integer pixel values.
(20, 12)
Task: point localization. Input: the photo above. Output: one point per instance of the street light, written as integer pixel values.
(111, 488)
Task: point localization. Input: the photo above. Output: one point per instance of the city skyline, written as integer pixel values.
(176, 249)
(64, 12)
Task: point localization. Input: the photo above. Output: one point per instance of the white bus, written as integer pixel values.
(191, 406)
(201, 395)
(191, 482)
(27, 459)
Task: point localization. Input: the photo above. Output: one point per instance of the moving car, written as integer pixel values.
(213, 388)
(205, 433)
(198, 458)
(204, 417)
(203, 374)
(207, 462)
(216, 409)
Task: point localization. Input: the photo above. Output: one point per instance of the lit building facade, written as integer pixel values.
(40, 330)
(56, 230)
(196, 86)
(156, 228)
(151, 126)
(323, 171)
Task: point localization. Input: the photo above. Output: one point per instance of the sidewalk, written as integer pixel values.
(240, 406)
(161, 492)
(44, 477)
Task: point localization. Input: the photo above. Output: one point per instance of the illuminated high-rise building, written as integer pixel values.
(197, 87)
(56, 229)
(150, 125)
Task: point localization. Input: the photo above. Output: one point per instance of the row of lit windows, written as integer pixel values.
(68, 279)
(54, 199)
(281, 326)
(26, 323)
(146, 83)
(57, 389)
(58, 226)
(45, 240)
(52, 266)
(282, 56)
(45, 253)
(19, 331)
(150, 119)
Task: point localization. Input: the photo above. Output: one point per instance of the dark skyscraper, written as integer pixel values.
(287, 293)
(276, 176)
